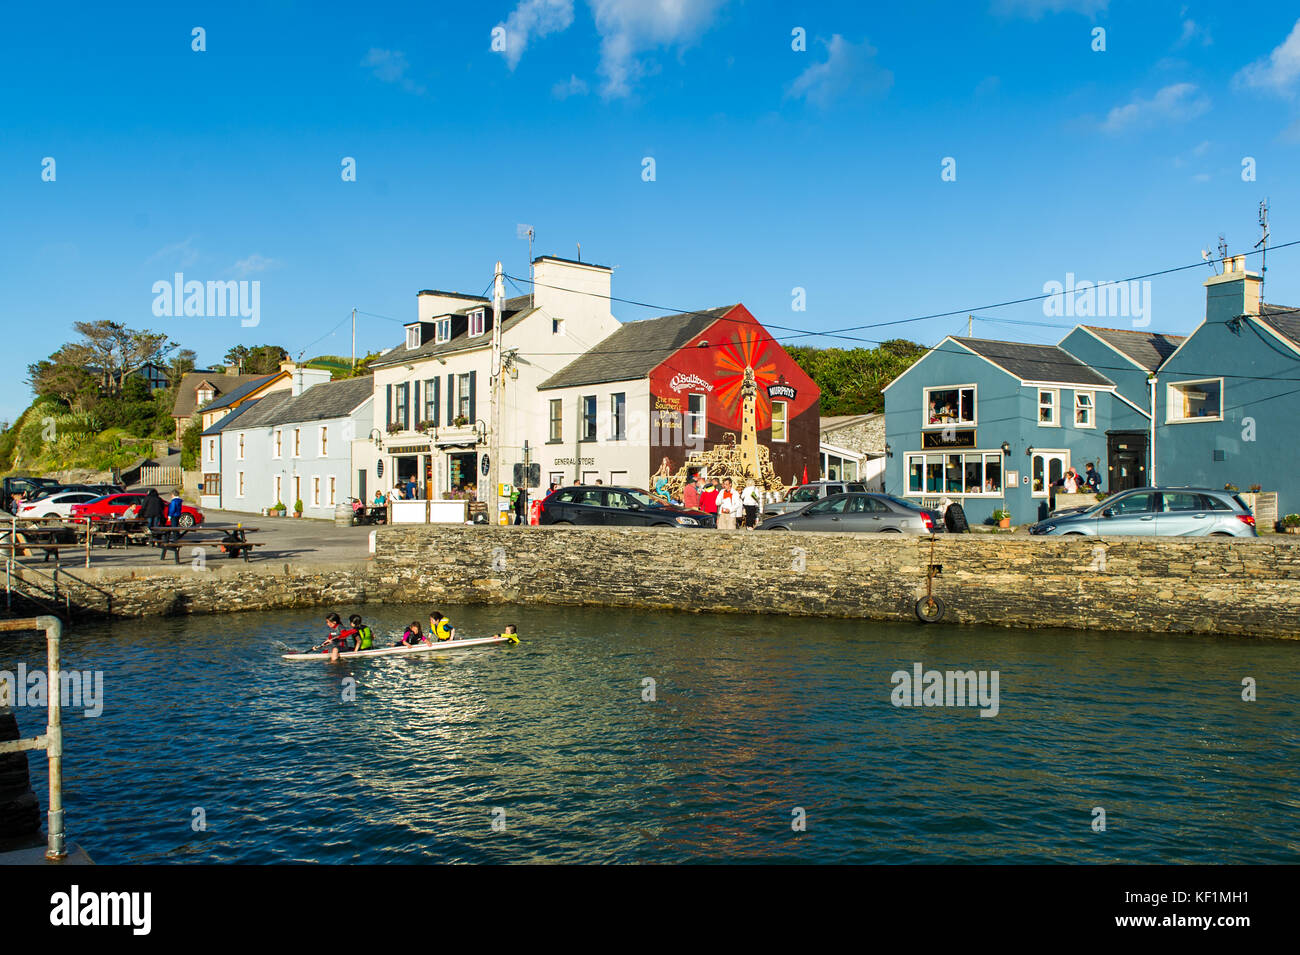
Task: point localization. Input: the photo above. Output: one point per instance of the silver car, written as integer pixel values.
(862, 513)
(1158, 512)
(805, 494)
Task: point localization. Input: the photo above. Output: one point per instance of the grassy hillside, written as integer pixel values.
(48, 437)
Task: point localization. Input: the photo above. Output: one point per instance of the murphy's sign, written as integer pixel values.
(781, 390)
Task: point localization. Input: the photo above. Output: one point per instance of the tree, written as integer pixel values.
(115, 350)
(852, 380)
(258, 360)
(182, 364)
(64, 379)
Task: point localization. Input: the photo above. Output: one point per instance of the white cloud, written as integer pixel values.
(1035, 9)
(1193, 31)
(1175, 103)
(1278, 71)
(390, 66)
(254, 263)
(630, 27)
(534, 19)
(849, 69)
(182, 252)
(570, 87)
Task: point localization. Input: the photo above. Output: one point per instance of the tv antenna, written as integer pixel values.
(1263, 245)
(523, 231)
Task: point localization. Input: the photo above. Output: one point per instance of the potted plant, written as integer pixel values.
(297, 508)
(1256, 488)
(461, 421)
(1231, 488)
(1291, 524)
(394, 427)
(426, 425)
(1003, 517)
(278, 509)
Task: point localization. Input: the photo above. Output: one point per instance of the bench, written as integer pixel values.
(235, 549)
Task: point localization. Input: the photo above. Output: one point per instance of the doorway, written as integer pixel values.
(1048, 468)
(1126, 460)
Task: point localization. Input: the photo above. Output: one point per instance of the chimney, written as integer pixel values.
(1234, 293)
(572, 290)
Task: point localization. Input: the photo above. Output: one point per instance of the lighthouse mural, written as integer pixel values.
(761, 412)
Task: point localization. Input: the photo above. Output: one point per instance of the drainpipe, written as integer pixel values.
(1151, 477)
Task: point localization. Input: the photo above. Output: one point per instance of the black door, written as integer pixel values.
(1126, 464)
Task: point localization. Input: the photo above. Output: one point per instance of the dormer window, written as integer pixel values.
(205, 395)
(443, 330)
(413, 336)
(477, 322)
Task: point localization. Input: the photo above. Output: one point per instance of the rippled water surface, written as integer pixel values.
(755, 717)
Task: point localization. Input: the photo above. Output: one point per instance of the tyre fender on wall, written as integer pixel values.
(929, 609)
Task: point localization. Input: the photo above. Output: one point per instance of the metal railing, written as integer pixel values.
(52, 740)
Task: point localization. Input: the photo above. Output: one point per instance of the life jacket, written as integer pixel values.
(343, 639)
(411, 638)
(365, 638)
(442, 630)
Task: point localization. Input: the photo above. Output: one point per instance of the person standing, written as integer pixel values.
(709, 498)
(174, 507)
(691, 494)
(1092, 478)
(749, 500)
(152, 509)
(728, 504)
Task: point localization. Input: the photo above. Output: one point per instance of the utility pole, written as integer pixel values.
(970, 326)
(1263, 241)
(497, 382)
(354, 340)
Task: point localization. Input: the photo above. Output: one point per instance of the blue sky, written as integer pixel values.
(775, 168)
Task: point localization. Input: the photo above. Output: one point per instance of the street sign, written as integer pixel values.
(528, 475)
(486, 465)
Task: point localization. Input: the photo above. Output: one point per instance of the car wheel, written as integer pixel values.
(1220, 534)
(1074, 534)
(890, 530)
(185, 520)
(661, 525)
(51, 514)
(559, 523)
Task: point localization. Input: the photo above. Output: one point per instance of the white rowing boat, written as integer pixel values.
(400, 651)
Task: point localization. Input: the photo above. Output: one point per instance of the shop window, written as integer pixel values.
(949, 406)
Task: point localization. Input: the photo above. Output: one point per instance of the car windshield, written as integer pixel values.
(641, 497)
(805, 493)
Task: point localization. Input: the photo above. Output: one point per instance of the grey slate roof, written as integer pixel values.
(1036, 362)
(635, 349)
(261, 410)
(330, 399)
(1148, 349)
(222, 384)
(1284, 319)
(220, 425)
(513, 311)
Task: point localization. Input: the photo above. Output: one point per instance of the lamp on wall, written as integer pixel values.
(377, 438)
(1006, 448)
(1029, 452)
(889, 452)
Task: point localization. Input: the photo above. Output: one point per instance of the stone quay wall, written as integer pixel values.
(1229, 586)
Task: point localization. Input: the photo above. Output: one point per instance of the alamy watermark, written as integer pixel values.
(77, 688)
(922, 687)
(1084, 299)
(192, 299)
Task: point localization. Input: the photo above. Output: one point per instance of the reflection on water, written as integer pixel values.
(755, 716)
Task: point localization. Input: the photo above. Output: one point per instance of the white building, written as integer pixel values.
(432, 391)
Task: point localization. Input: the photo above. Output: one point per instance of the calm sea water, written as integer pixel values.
(755, 717)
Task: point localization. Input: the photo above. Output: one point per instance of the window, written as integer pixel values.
(1084, 406)
(240, 485)
(1047, 402)
(587, 430)
(297, 442)
(324, 442)
(412, 336)
(618, 416)
(402, 409)
(969, 473)
(477, 322)
(557, 326)
(279, 486)
(315, 492)
(241, 445)
(462, 397)
(442, 330)
(695, 420)
(1195, 401)
(204, 395)
(212, 484)
(279, 440)
(212, 449)
(431, 399)
(829, 506)
(332, 480)
(949, 405)
(778, 420)
(557, 423)
(1183, 502)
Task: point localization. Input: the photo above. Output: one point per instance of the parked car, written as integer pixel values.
(1159, 512)
(115, 505)
(58, 504)
(805, 494)
(99, 490)
(862, 512)
(617, 506)
(29, 486)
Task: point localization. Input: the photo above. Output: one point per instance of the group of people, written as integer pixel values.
(153, 510)
(731, 508)
(358, 636)
(1072, 482)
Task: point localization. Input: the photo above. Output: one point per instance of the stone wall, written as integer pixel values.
(1249, 587)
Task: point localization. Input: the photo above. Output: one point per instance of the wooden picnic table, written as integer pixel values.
(233, 540)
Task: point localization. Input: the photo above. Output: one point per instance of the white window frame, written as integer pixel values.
(412, 337)
(1172, 400)
(477, 322)
(333, 481)
(315, 490)
(279, 488)
(1055, 421)
(239, 484)
(1045, 454)
(1091, 409)
(240, 442)
(212, 449)
(323, 447)
(279, 442)
(926, 425)
(297, 442)
(785, 422)
(692, 418)
(557, 326)
(442, 331)
(462, 398)
(983, 454)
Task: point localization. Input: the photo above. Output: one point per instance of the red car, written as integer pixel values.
(115, 505)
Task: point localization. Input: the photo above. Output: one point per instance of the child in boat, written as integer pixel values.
(412, 636)
(440, 628)
(338, 640)
(365, 638)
